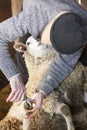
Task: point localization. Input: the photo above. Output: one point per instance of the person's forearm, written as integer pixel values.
(9, 30)
(59, 69)
(7, 64)
(17, 26)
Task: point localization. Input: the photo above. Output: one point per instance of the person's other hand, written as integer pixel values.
(17, 89)
(37, 100)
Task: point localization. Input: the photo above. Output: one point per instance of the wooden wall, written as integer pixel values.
(5, 10)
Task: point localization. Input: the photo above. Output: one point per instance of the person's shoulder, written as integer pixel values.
(39, 3)
(31, 4)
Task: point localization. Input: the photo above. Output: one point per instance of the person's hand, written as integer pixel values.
(17, 89)
(37, 100)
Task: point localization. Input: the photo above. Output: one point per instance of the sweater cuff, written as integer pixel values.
(10, 70)
(47, 89)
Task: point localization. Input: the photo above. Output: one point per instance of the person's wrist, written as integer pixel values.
(15, 76)
(42, 93)
(16, 80)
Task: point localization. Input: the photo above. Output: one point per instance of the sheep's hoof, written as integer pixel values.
(72, 128)
(28, 105)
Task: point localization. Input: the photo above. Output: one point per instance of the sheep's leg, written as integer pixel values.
(26, 124)
(63, 109)
(28, 105)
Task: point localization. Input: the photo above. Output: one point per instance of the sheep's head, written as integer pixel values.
(33, 47)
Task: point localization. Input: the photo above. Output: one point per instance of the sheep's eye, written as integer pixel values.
(28, 43)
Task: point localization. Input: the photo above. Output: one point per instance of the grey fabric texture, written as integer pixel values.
(20, 60)
(33, 20)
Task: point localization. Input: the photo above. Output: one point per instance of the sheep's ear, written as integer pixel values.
(20, 47)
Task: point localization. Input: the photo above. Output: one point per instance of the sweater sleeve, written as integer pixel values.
(58, 70)
(28, 21)
(10, 29)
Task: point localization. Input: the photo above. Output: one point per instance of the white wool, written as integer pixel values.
(37, 49)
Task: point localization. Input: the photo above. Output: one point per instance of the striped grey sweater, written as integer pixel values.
(33, 20)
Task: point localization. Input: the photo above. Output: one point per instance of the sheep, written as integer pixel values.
(66, 100)
(56, 102)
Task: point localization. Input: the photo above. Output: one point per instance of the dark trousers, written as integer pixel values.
(22, 67)
(20, 60)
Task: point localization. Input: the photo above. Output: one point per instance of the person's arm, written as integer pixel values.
(17, 26)
(9, 30)
(59, 69)
(29, 21)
